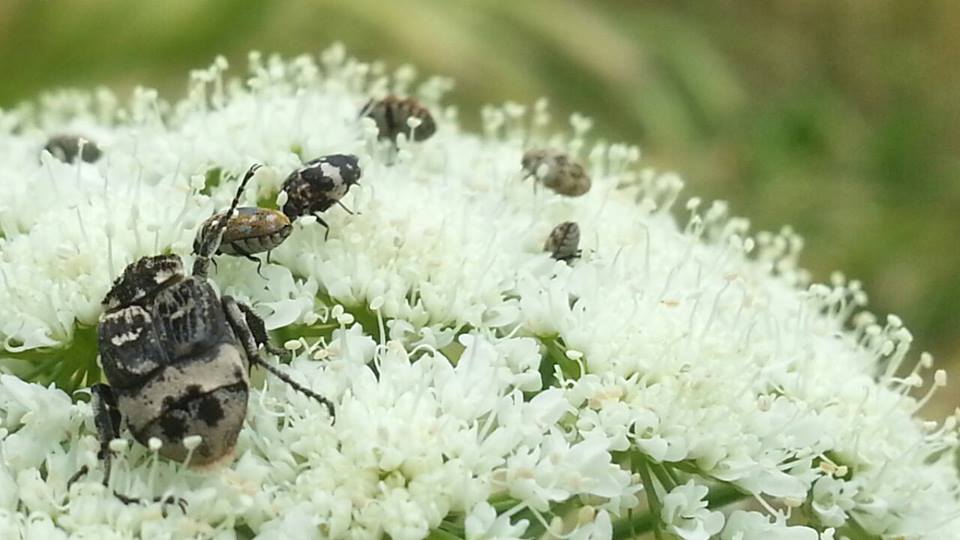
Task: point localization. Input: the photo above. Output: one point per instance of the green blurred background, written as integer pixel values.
(839, 117)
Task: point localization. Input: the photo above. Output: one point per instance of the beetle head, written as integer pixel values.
(533, 159)
(347, 165)
(142, 279)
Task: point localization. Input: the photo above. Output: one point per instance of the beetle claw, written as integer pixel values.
(181, 503)
(274, 350)
(164, 501)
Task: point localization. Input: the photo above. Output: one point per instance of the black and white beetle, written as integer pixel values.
(311, 189)
(177, 357)
(318, 185)
(563, 244)
(67, 148)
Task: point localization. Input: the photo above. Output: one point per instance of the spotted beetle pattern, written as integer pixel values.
(319, 184)
(563, 244)
(175, 365)
(251, 230)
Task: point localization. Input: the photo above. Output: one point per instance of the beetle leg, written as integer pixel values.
(77, 475)
(259, 330)
(106, 416)
(347, 210)
(256, 359)
(320, 220)
(250, 257)
(164, 500)
(182, 503)
(237, 318)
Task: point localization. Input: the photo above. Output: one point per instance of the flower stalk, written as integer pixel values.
(653, 500)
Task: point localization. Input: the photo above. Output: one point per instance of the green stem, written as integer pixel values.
(440, 534)
(671, 474)
(853, 530)
(663, 474)
(635, 525)
(502, 502)
(556, 355)
(653, 501)
(538, 526)
(725, 494)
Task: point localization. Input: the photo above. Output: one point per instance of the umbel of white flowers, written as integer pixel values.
(681, 378)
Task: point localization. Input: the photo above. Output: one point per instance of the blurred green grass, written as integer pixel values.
(839, 117)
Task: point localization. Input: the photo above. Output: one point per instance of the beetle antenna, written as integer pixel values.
(208, 239)
(243, 185)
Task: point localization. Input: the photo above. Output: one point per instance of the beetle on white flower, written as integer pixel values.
(686, 380)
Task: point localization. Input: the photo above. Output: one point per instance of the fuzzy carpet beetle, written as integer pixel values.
(66, 148)
(555, 170)
(251, 230)
(563, 244)
(392, 114)
(318, 185)
(177, 357)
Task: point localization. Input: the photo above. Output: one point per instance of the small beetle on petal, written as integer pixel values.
(319, 184)
(563, 244)
(555, 170)
(394, 115)
(66, 148)
(251, 230)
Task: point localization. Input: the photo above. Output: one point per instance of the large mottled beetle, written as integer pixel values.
(177, 356)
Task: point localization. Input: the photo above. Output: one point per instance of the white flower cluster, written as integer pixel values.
(677, 378)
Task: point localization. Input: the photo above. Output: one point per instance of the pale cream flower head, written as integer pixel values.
(483, 389)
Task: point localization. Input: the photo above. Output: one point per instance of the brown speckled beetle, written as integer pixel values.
(251, 230)
(563, 244)
(392, 113)
(555, 170)
(176, 357)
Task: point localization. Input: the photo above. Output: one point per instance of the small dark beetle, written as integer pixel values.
(392, 113)
(66, 148)
(319, 184)
(177, 357)
(563, 244)
(555, 170)
(250, 231)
